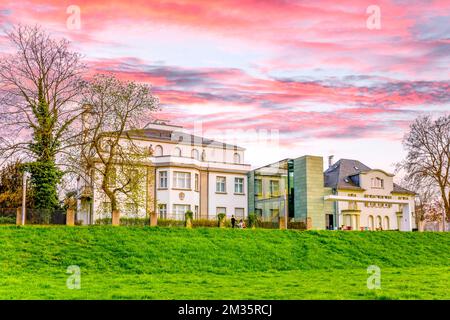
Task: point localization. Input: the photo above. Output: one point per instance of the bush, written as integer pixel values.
(170, 223)
(103, 221)
(7, 220)
(252, 220)
(134, 221)
(204, 223)
(125, 221)
(188, 215)
(267, 224)
(297, 225)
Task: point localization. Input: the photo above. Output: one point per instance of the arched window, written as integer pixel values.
(371, 222)
(378, 225)
(177, 152)
(386, 223)
(158, 151)
(195, 154)
(237, 158)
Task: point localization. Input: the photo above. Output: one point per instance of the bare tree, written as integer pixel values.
(428, 160)
(39, 85)
(426, 197)
(110, 156)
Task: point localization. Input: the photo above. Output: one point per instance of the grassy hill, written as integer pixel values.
(211, 263)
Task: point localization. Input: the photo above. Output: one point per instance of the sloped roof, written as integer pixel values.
(338, 175)
(399, 189)
(180, 137)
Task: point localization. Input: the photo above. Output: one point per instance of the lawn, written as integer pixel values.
(212, 263)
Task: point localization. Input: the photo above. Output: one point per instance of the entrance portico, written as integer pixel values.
(354, 216)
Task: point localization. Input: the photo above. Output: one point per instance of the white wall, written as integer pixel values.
(230, 200)
(374, 211)
(171, 196)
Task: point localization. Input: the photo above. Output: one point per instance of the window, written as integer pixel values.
(163, 211)
(370, 223)
(221, 184)
(377, 183)
(163, 179)
(196, 212)
(177, 152)
(112, 177)
(386, 225)
(238, 185)
(239, 213)
(258, 187)
(378, 225)
(274, 188)
(179, 210)
(195, 154)
(158, 151)
(182, 180)
(237, 158)
(274, 213)
(196, 182)
(220, 210)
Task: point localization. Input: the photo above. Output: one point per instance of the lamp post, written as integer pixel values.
(24, 195)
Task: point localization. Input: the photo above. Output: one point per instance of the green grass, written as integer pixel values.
(212, 263)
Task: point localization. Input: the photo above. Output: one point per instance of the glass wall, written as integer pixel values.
(273, 191)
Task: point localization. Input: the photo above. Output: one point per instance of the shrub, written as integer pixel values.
(221, 219)
(134, 221)
(204, 223)
(7, 220)
(252, 220)
(299, 225)
(267, 224)
(188, 219)
(189, 215)
(170, 223)
(103, 221)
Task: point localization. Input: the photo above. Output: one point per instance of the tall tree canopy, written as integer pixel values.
(428, 160)
(114, 109)
(39, 86)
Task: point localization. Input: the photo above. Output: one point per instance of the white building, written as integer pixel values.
(379, 202)
(185, 172)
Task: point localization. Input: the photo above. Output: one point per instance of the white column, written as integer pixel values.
(406, 218)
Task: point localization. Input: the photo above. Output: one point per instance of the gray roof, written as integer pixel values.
(180, 137)
(399, 189)
(344, 175)
(338, 176)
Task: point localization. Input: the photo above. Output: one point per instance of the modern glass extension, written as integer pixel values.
(273, 190)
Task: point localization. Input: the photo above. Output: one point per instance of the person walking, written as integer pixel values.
(233, 221)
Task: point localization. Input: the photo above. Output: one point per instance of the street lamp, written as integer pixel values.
(24, 195)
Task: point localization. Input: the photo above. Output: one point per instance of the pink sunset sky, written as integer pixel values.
(284, 78)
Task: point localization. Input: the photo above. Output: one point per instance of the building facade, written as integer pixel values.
(378, 211)
(348, 195)
(184, 172)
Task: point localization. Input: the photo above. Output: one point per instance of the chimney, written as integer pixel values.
(330, 161)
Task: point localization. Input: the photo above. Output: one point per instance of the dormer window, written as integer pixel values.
(237, 158)
(158, 151)
(194, 154)
(377, 183)
(177, 152)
